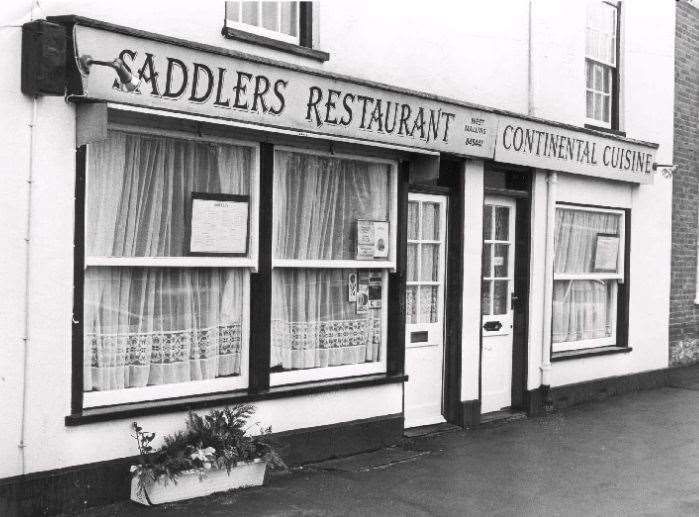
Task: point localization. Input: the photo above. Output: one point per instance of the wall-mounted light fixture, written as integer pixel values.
(126, 79)
(666, 170)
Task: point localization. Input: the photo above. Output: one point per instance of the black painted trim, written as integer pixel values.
(506, 192)
(589, 352)
(261, 282)
(395, 364)
(470, 413)
(601, 129)
(420, 188)
(520, 330)
(275, 44)
(158, 407)
(71, 20)
(306, 25)
(451, 175)
(77, 352)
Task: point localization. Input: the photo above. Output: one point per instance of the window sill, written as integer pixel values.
(589, 352)
(105, 414)
(605, 130)
(283, 46)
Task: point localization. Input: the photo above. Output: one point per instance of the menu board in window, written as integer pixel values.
(606, 253)
(219, 224)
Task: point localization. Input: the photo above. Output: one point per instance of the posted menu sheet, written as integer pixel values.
(219, 227)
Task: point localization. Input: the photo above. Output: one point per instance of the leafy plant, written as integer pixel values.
(219, 439)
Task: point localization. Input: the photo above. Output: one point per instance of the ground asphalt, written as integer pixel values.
(636, 454)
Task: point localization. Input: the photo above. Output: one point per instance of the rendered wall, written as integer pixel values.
(684, 311)
(405, 47)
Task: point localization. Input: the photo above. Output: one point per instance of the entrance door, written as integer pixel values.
(424, 307)
(496, 303)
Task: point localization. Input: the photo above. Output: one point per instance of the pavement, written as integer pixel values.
(635, 454)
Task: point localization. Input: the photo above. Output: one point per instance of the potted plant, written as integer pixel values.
(213, 453)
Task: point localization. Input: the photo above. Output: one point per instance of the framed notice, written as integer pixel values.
(219, 224)
(372, 239)
(606, 258)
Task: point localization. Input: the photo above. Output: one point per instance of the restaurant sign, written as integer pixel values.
(544, 146)
(153, 73)
(224, 86)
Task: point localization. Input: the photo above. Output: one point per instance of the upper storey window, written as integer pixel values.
(278, 20)
(601, 63)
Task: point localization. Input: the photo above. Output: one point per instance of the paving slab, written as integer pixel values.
(635, 454)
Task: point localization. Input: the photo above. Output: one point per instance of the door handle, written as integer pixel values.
(492, 326)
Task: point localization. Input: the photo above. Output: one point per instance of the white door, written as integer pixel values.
(424, 307)
(496, 303)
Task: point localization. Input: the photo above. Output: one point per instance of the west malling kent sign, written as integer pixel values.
(205, 83)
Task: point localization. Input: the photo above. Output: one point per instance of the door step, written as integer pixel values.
(502, 417)
(426, 430)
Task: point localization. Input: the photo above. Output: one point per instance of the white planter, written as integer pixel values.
(189, 485)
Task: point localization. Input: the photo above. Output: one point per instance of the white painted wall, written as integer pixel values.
(473, 51)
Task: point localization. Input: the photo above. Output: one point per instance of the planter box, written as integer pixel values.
(189, 485)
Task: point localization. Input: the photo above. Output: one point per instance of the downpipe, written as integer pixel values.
(551, 194)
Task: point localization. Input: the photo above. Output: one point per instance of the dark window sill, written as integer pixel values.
(105, 414)
(589, 352)
(606, 130)
(283, 46)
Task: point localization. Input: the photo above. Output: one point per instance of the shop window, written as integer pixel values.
(277, 20)
(165, 297)
(588, 272)
(601, 63)
(333, 247)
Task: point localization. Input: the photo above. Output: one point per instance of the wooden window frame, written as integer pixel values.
(98, 399)
(615, 79)
(619, 343)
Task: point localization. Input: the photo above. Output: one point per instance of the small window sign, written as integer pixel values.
(219, 224)
(606, 257)
(372, 239)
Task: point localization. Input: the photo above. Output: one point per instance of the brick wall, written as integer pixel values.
(684, 314)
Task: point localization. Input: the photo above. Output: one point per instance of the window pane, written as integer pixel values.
(289, 22)
(430, 262)
(485, 297)
(411, 304)
(270, 15)
(315, 326)
(605, 108)
(588, 74)
(318, 200)
(232, 11)
(487, 264)
(413, 221)
(598, 106)
(250, 13)
(500, 288)
(153, 326)
(487, 221)
(582, 309)
(502, 223)
(430, 221)
(590, 108)
(139, 190)
(576, 238)
(428, 304)
(412, 262)
(500, 260)
(599, 74)
(607, 84)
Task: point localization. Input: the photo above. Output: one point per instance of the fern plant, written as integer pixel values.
(219, 439)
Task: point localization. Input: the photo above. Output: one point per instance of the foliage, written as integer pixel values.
(219, 440)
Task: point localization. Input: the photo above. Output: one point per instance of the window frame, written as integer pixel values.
(619, 309)
(613, 69)
(385, 266)
(98, 399)
(259, 29)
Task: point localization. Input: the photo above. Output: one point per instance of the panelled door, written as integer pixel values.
(496, 302)
(424, 306)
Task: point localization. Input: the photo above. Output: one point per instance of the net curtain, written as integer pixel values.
(581, 308)
(150, 326)
(317, 200)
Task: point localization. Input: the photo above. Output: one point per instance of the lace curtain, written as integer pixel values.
(317, 200)
(151, 326)
(581, 308)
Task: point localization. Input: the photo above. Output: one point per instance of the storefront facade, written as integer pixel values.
(221, 219)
